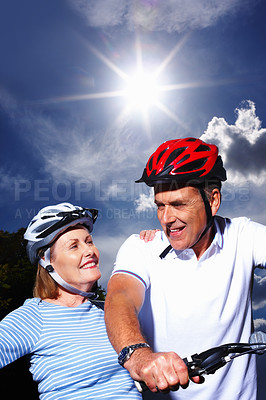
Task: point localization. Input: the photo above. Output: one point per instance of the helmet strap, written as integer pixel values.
(46, 264)
(208, 214)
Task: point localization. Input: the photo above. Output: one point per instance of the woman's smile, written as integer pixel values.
(89, 264)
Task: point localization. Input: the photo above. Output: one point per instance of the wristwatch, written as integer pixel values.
(127, 352)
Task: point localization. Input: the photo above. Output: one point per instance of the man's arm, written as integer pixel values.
(125, 296)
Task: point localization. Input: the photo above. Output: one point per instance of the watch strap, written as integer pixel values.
(127, 352)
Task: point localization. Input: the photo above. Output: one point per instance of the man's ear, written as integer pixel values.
(215, 201)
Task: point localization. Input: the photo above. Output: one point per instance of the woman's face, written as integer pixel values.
(76, 259)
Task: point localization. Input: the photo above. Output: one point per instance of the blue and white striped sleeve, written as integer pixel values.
(19, 332)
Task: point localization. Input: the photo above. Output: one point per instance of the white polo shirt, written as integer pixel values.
(192, 305)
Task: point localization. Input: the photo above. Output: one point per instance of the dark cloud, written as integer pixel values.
(246, 157)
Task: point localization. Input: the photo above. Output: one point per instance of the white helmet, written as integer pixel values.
(45, 227)
(53, 220)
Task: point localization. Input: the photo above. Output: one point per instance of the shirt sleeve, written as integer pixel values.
(132, 260)
(255, 235)
(19, 332)
(259, 245)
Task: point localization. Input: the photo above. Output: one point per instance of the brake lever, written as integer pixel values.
(209, 361)
(205, 363)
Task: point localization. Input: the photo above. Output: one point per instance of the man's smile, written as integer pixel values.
(176, 231)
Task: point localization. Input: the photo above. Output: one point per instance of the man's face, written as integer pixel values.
(182, 215)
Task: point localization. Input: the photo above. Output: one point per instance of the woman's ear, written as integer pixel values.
(41, 254)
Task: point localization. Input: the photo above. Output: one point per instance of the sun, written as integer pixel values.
(142, 90)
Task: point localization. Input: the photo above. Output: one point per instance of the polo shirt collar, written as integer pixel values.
(217, 241)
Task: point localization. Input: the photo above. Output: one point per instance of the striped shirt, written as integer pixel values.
(70, 354)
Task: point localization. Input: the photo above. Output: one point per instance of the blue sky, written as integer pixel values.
(69, 128)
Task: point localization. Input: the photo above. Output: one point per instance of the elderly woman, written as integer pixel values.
(61, 328)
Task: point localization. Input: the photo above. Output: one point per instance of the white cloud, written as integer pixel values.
(257, 305)
(8, 181)
(101, 12)
(169, 15)
(261, 280)
(242, 145)
(247, 123)
(145, 202)
(258, 298)
(259, 323)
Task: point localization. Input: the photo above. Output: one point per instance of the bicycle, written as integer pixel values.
(209, 361)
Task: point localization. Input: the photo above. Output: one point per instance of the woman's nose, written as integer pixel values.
(88, 249)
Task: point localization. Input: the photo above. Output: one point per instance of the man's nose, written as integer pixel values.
(168, 215)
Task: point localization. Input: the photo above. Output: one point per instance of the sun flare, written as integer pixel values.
(141, 88)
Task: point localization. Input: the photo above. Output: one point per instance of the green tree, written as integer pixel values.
(16, 273)
(16, 282)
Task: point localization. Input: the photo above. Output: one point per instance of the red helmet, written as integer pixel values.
(184, 160)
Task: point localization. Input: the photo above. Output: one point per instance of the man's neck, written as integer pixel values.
(202, 245)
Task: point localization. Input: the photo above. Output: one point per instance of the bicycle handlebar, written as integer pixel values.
(210, 360)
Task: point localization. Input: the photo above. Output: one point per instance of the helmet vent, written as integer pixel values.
(150, 163)
(193, 166)
(174, 155)
(161, 154)
(202, 147)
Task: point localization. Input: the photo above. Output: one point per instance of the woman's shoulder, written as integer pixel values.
(32, 305)
(28, 312)
(24, 324)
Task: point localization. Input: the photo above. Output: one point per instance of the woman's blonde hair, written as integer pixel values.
(45, 287)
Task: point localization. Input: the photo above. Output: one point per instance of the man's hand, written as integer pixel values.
(159, 371)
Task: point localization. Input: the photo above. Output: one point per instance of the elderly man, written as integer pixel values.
(189, 289)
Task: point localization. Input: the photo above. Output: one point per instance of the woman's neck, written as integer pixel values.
(67, 299)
